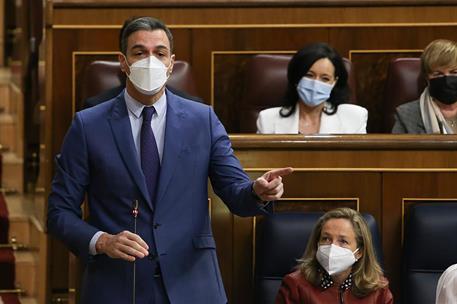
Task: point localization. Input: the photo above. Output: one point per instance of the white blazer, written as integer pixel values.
(446, 287)
(349, 119)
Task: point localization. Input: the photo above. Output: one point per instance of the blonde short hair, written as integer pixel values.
(439, 53)
(367, 273)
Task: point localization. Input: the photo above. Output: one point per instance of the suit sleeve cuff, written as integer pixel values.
(260, 203)
(93, 241)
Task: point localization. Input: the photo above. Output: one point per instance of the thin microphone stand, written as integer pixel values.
(135, 215)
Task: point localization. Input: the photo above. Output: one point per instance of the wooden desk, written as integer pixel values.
(379, 174)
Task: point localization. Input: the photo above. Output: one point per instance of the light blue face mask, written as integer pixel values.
(313, 92)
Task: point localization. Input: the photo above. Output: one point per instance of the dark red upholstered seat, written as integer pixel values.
(404, 83)
(100, 76)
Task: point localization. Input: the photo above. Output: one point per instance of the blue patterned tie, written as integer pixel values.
(150, 162)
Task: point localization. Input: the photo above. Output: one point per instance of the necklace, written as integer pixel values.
(452, 122)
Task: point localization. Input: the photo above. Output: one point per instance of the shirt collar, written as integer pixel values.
(327, 281)
(136, 108)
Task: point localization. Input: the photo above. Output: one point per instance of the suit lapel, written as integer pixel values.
(287, 125)
(330, 124)
(174, 138)
(122, 131)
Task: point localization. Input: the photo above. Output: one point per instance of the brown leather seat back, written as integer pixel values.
(404, 83)
(100, 76)
(266, 85)
(181, 78)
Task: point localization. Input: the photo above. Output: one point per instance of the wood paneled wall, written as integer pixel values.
(2, 33)
(212, 35)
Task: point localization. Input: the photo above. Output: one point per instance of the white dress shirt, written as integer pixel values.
(158, 123)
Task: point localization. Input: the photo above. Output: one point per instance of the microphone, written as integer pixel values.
(135, 214)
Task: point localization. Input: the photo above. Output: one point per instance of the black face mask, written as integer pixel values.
(444, 89)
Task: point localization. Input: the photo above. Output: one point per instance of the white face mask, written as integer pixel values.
(148, 75)
(335, 259)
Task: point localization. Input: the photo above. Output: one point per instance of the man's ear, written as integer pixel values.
(172, 63)
(123, 62)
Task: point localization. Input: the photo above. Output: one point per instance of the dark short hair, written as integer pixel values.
(300, 64)
(135, 24)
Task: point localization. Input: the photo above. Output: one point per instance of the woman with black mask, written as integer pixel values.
(436, 110)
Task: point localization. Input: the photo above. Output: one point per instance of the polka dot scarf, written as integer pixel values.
(327, 281)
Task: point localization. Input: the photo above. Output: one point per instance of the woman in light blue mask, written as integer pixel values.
(315, 101)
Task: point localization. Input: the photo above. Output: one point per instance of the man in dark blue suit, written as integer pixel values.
(153, 150)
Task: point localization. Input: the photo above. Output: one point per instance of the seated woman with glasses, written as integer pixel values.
(436, 110)
(339, 265)
(315, 101)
